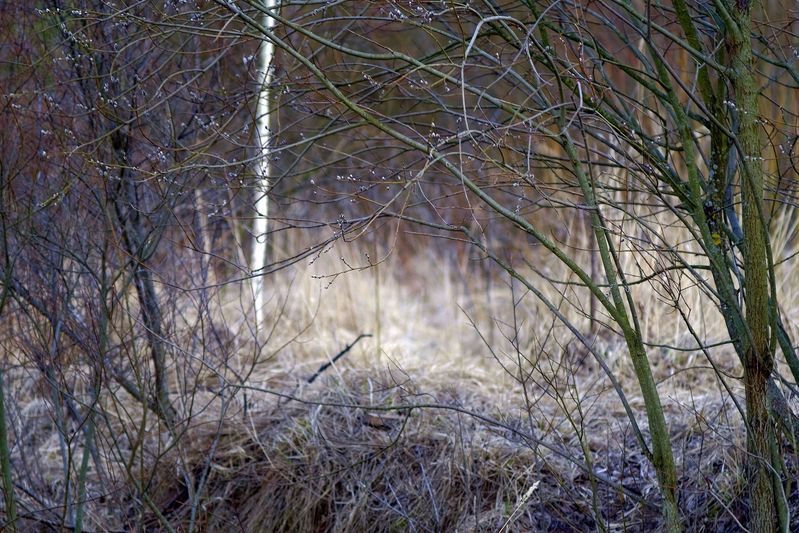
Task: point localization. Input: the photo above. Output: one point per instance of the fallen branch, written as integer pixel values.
(338, 356)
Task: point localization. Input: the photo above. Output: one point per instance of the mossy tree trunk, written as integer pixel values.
(757, 352)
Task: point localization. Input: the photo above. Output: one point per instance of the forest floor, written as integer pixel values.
(463, 411)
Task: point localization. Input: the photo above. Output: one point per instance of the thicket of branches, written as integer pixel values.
(648, 149)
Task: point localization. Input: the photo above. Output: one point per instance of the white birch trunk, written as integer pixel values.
(263, 168)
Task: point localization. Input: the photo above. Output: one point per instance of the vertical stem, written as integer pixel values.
(662, 455)
(5, 462)
(5, 453)
(61, 430)
(593, 322)
(139, 245)
(90, 412)
(205, 240)
(84, 464)
(378, 322)
(758, 360)
(261, 225)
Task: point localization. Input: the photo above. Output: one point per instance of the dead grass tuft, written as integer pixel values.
(520, 428)
(332, 464)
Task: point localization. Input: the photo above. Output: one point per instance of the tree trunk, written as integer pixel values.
(758, 360)
(136, 238)
(261, 225)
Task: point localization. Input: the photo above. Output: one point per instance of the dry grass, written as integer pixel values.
(332, 465)
(357, 450)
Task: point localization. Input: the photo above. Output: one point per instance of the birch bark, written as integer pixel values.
(263, 167)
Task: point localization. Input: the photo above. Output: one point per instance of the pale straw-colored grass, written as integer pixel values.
(324, 461)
